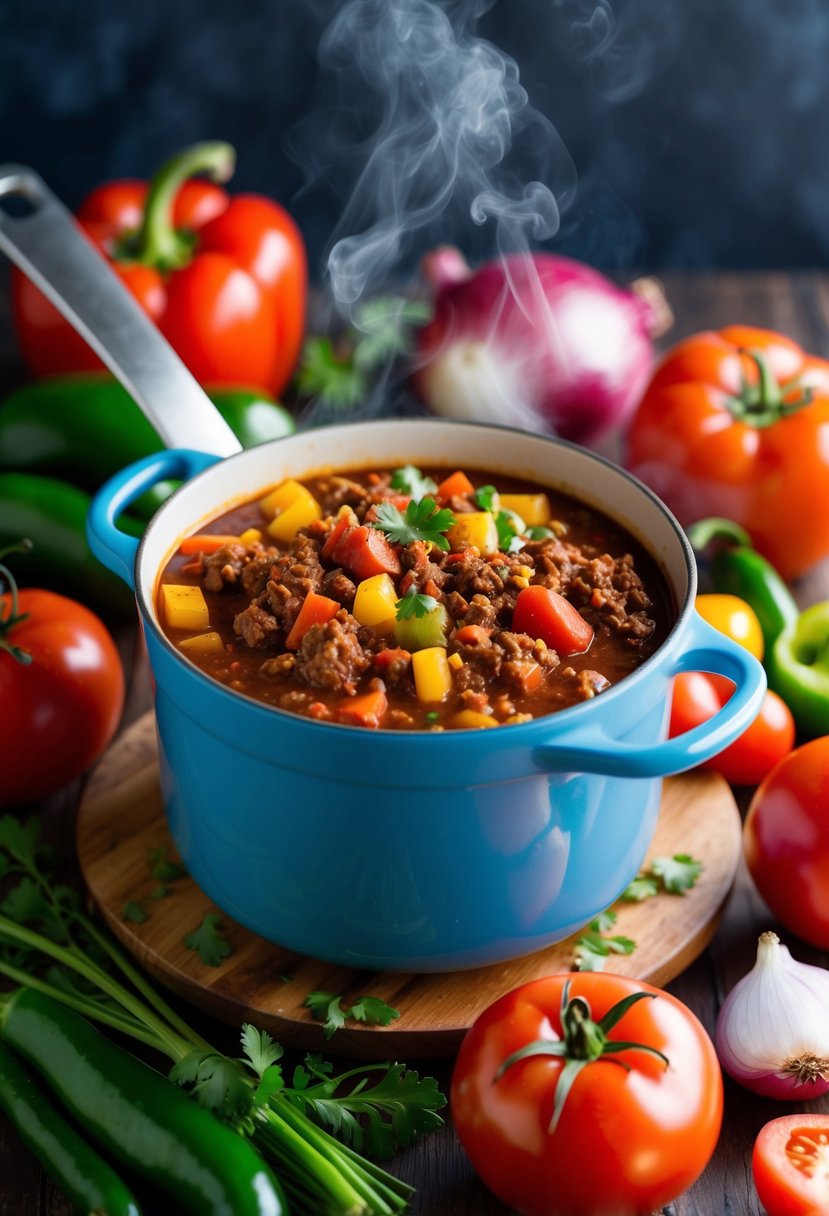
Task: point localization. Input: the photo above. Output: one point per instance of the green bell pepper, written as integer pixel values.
(52, 514)
(735, 568)
(798, 669)
(85, 428)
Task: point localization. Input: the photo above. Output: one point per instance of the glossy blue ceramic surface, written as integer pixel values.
(415, 850)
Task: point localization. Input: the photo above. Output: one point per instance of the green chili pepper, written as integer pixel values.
(85, 428)
(737, 569)
(139, 1117)
(798, 667)
(52, 514)
(83, 1176)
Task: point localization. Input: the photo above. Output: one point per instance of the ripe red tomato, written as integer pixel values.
(790, 1163)
(60, 710)
(786, 841)
(628, 1139)
(697, 696)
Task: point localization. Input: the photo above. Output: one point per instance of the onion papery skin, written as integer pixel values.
(536, 341)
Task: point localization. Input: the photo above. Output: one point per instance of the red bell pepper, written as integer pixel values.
(223, 278)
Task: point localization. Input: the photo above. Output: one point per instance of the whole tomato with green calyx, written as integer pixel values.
(61, 691)
(786, 841)
(224, 278)
(736, 424)
(790, 1163)
(585, 1094)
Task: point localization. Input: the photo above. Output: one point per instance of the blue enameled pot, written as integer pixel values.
(416, 850)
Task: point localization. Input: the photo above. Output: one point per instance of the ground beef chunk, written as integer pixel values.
(481, 664)
(472, 575)
(610, 593)
(256, 573)
(281, 665)
(342, 491)
(257, 627)
(338, 586)
(417, 558)
(331, 655)
(224, 566)
(292, 576)
(481, 611)
(588, 683)
(395, 665)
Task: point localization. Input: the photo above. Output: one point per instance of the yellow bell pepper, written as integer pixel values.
(283, 496)
(534, 509)
(474, 528)
(375, 603)
(299, 514)
(203, 644)
(432, 674)
(184, 607)
(471, 717)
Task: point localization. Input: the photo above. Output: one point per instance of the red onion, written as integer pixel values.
(773, 1029)
(537, 341)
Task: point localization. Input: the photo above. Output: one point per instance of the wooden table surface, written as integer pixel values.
(798, 305)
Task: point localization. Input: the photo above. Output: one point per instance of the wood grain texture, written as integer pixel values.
(121, 818)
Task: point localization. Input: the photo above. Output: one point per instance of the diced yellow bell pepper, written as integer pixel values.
(184, 607)
(470, 717)
(432, 674)
(251, 536)
(375, 603)
(474, 528)
(299, 514)
(283, 496)
(534, 509)
(203, 643)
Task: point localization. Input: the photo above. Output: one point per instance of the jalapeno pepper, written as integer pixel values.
(140, 1118)
(52, 514)
(737, 569)
(86, 428)
(798, 667)
(84, 1177)
(224, 278)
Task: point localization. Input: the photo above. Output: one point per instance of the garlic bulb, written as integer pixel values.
(773, 1029)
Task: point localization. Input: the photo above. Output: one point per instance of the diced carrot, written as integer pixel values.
(473, 635)
(545, 614)
(334, 535)
(204, 542)
(365, 552)
(455, 484)
(365, 710)
(319, 710)
(528, 675)
(430, 587)
(385, 658)
(316, 610)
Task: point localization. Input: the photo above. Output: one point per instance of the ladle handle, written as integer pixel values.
(52, 250)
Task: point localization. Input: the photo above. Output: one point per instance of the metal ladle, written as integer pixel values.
(52, 250)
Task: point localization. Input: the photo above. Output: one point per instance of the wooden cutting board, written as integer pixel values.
(121, 818)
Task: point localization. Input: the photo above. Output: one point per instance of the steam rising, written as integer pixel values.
(452, 109)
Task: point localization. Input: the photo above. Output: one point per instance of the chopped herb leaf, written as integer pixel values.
(133, 912)
(323, 373)
(422, 520)
(509, 527)
(643, 887)
(604, 922)
(487, 498)
(209, 942)
(260, 1049)
(411, 481)
(218, 1083)
(161, 892)
(536, 532)
(678, 873)
(162, 867)
(594, 947)
(382, 329)
(327, 1007)
(414, 603)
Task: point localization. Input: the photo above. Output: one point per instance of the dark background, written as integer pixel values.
(697, 129)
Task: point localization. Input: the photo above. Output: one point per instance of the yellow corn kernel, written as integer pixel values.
(455, 660)
(184, 607)
(524, 571)
(470, 717)
(251, 536)
(534, 509)
(299, 514)
(518, 581)
(474, 528)
(375, 603)
(283, 496)
(432, 676)
(203, 643)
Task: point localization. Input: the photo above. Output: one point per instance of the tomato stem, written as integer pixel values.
(158, 243)
(11, 615)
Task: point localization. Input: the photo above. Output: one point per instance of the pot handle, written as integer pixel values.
(589, 749)
(114, 548)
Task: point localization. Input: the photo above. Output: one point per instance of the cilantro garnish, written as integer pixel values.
(486, 497)
(536, 532)
(209, 942)
(509, 527)
(422, 520)
(133, 913)
(674, 875)
(327, 1007)
(595, 946)
(162, 867)
(414, 603)
(409, 480)
(322, 372)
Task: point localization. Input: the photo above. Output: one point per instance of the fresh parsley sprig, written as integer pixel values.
(414, 603)
(327, 1007)
(596, 944)
(409, 480)
(674, 875)
(422, 520)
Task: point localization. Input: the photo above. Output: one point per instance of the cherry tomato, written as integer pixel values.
(697, 696)
(790, 1163)
(735, 618)
(786, 841)
(60, 710)
(626, 1140)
